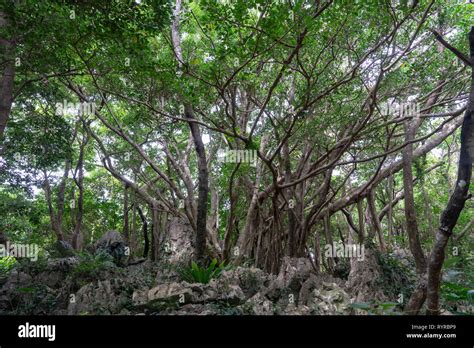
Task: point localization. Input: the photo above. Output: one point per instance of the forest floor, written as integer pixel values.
(91, 284)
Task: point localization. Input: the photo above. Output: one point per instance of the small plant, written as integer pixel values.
(6, 265)
(35, 299)
(91, 265)
(198, 274)
(397, 277)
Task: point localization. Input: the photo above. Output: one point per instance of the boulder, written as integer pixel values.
(363, 277)
(297, 310)
(56, 271)
(221, 291)
(173, 295)
(259, 305)
(170, 293)
(330, 299)
(32, 277)
(9, 292)
(250, 280)
(293, 273)
(113, 244)
(178, 245)
(102, 297)
(192, 309)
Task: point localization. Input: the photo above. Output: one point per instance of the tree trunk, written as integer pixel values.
(390, 211)
(329, 241)
(155, 236)
(360, 214)
(133, 232)
(375, 219)
(126, 233)
(457, 200)
(410, 212)
(233, 196)
(56, 215)
(146, 240)
(3, 238)
(203, 175)
(292, 240)
(78, 237)
(317, 251)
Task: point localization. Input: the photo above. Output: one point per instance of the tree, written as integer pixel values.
(458, 199)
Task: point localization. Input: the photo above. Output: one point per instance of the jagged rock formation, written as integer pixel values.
(178, 245)
(113, 244)
(363, 278)
(61, 287)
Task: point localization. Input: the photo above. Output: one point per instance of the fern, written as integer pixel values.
(203, 275)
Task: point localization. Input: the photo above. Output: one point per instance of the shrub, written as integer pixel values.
(198, 274)
(90, 266)
(457, 286)
(6, 265)
(398, 276)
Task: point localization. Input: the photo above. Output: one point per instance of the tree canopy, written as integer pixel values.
(272, 128)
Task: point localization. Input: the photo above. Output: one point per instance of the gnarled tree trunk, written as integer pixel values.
(203, 174)
(457, 200)
(410, 212)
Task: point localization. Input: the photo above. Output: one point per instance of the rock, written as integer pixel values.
(113, 244)
(162, 296)
(330, 299)
(3, 238)
(362, 280)
(223, 292)
(192, 309)
(35, 277)
(56, 271)
(317, 282)
(179, 294)
(259, 305)
(172, 292)
(313, 282)
(63, 249)
(293, 273)
(342, 269)
(178, 244)
(103, 297)
(9, 293)
(250, 280)
(140, 298)
(297, 310)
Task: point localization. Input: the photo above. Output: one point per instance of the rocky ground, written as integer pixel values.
(131, 290)
(102, 283)
(61, 286)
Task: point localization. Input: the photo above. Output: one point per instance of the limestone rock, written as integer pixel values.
(178, 244)
(363, 277)
(330, 299)
(259, 305)
(293, 273)
(112, 243)
(250, 280)
(183, 293)
(103, 297)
